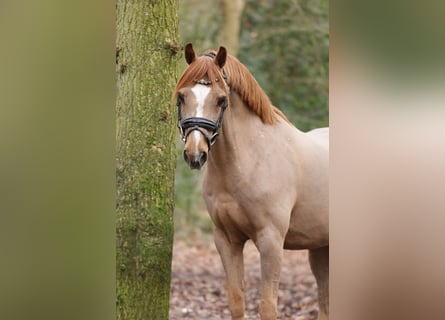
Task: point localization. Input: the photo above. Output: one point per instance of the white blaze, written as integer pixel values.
(201, 92)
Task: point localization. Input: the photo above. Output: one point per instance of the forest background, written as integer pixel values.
(284, 44)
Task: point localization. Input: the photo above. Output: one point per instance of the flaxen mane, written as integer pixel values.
(239, 79)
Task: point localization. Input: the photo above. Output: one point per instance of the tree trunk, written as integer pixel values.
(229, 36)
(147, 31)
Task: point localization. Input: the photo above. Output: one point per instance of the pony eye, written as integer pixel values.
(221, 101)
(180, 99)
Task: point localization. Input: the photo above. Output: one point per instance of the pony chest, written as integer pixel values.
(227, 212)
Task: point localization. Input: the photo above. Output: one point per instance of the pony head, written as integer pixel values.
(202, 96)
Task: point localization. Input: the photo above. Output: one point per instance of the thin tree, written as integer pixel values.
(147, 31)
(230, 29)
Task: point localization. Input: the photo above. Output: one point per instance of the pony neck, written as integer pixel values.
(240, 127)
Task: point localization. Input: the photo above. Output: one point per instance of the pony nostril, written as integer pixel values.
(195, 161)
(186, 157)
(203, 158)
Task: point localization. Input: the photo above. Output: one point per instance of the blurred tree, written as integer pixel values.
(147, 31)
(230, 29)
(200, 22)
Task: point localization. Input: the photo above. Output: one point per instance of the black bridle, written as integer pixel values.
(191, 124)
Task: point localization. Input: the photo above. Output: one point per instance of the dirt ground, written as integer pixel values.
(199, 291)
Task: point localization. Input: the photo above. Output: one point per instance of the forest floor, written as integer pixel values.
(198, 289)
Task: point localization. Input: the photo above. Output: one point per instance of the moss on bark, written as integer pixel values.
(146, 69)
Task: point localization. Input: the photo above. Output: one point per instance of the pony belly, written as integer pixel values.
(300, 241)
(307, 232)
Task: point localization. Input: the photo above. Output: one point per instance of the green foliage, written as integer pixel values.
(285, 44)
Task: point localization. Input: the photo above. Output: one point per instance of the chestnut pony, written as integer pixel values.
(265, 180)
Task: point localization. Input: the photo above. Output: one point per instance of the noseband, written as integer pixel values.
(191, 124)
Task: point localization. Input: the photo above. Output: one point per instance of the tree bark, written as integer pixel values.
(146, 65)
(229, 36)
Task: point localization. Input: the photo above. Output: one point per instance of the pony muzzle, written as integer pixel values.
(196, 160)
(197, 147)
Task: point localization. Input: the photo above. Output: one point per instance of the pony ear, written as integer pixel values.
(189, 53)
(220, 59)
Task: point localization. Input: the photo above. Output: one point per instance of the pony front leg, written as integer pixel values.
(270, 245)
(231, 254)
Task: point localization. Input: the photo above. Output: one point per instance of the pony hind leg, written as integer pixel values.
(231, 255)
(319, 261)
